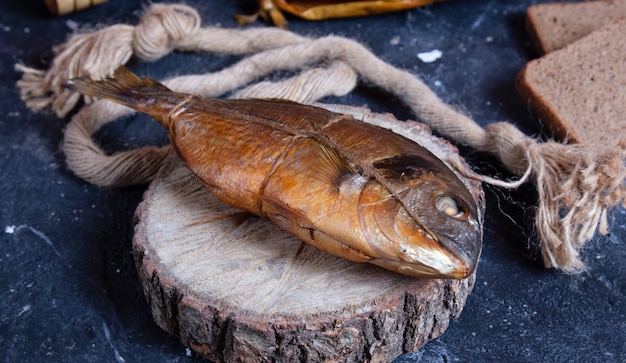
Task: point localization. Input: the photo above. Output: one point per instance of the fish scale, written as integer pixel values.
(351, 189)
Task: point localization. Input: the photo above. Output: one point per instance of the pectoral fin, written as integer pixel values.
(331, 166)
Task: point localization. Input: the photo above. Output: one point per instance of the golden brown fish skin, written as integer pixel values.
(351, 189)
(326, 9)
(232, 153)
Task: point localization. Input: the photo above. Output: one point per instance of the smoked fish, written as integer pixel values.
(351, 189)
(326, 9)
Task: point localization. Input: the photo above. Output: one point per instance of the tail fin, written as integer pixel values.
(125, 87)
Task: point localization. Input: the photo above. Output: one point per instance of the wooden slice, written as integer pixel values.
(234, 287)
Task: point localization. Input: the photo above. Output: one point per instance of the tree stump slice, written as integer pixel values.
(234, 287)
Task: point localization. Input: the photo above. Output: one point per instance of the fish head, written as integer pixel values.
(424, 223)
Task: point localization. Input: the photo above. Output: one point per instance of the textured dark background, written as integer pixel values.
(68, 286)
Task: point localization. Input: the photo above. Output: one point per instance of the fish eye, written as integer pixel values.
(450, 207)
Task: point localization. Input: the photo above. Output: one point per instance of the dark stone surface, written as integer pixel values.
(68, 285)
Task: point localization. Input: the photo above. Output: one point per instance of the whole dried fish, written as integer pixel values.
(326, 9)
(348, 188)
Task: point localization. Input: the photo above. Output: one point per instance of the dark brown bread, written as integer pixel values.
(551, 26)
(579, 91)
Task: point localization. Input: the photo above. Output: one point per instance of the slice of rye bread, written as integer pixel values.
(579, 91)
(552, 26)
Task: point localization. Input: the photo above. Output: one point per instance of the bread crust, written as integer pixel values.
(579, 91)
(551, 26)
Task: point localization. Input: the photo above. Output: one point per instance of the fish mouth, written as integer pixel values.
(465, 248)
(437, 256)
(454, 269)
(443, 266)
(429, 254)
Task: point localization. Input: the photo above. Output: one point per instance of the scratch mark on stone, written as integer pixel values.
(478, 21)
(41, 235)
(36, 232)
(481, 17)
(25, 309)
(107, 335)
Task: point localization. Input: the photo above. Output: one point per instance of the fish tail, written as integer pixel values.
(126, 88)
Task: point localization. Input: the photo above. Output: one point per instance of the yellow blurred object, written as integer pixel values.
(271, 10)
(62, 7)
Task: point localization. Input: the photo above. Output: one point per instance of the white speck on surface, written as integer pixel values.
(395, 40)
(431, 56)
(438, 83)
(9, 229)
(27, 30)
(6, 28)
(188, 352)
(489, 39)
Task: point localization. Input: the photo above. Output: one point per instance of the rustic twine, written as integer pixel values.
(577, 184)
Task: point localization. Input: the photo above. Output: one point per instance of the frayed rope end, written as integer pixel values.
(577, 185)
